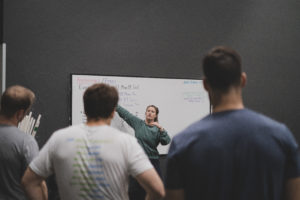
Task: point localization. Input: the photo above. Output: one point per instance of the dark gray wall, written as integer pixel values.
(48, 40)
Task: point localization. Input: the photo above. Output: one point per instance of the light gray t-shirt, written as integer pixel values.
(17, 150)
(91, 162)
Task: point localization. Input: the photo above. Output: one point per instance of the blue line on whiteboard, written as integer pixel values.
(125, 93)
(193, 96)
(187, 82)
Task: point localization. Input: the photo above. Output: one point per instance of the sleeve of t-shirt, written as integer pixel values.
(293, 158)
(173, 179)
(137, 160)
(42, 164)
(31, 150)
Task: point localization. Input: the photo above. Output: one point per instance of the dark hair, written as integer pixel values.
(222, 68)
(157, 111)
(100, 100)
(16, 98)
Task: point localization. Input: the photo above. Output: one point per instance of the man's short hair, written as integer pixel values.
(16, 98)
(222, 68)
(100, 100)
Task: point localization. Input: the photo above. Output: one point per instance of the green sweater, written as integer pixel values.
(148, 136)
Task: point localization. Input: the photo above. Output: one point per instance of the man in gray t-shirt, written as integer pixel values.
(16, 148)
(16, 151)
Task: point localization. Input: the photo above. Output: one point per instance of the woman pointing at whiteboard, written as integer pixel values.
(149, 134)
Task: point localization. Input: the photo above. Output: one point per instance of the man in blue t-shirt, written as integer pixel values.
(234, 153)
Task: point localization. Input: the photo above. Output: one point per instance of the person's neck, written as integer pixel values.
(99, 122)
(148, 121)
(229, 101)
(8, 121)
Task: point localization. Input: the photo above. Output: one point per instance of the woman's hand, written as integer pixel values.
(157, 125)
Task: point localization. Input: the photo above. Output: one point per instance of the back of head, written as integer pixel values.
(16, 98)
(222, 68)
(99, 101)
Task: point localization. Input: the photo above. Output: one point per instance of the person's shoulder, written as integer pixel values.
(20, 138)
(265, 120)
(29, 138)
(13, 130)
(20, 135)
(248, 117)
(271, 126)
(112, 131)
(122, 135)
(68, 129)
(65, 132)
(194, 128)
(189, 134)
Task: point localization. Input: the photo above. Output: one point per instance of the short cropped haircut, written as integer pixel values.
(16, 98)
(100, 100)
(222, 68)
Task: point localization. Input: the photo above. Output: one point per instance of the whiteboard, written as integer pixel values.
(180, 101)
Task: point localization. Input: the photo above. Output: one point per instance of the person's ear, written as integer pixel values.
(243, 79)
(20, 114)
(113, 114)
(205, 84)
